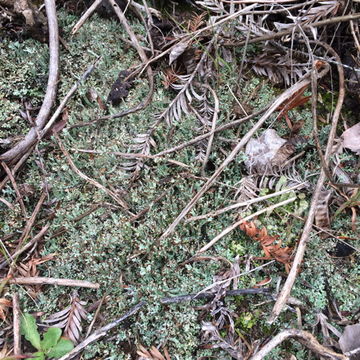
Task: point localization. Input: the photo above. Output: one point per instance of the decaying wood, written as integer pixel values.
(16, 324)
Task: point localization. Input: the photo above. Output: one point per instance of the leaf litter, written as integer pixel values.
(201, 50)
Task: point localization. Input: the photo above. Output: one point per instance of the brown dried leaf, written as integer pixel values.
(271, 245)
(178, 50)
(351, 138)
(350, 339)
(4, 308)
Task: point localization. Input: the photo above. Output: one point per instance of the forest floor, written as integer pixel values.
(131, 203)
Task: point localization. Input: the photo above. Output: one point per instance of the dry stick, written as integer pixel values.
(238, 223)
(8, 204)
(64, 101)
(320, 23)
(304, 338)
(16, 324)
(244, 203)
(33, 241)
(85, 16)
(112, 194)
(13, 182)
(37, 280)
(204, 136)
(210, 295)
(102, 332)
(16, 167)
(49, 98)
(31, 221)
(143, 57)
(285, 292)
(213, 126)
(277, 102)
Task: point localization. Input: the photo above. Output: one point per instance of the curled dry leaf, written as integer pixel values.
(271, 245)
(350, 340)
(178, 50)
(351, 138)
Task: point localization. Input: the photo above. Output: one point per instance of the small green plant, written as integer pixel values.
(51, 346)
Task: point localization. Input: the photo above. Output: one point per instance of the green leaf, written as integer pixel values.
(51, 338)
(61, 348)
(37, 356)
(30, 331)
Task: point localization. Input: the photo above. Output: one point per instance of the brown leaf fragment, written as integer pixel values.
(350, 340)
(322, 218)
(178, 50)
(271, 245)
(351, 138)
(4, 307)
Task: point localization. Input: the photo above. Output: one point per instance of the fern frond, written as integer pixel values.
(69, 319)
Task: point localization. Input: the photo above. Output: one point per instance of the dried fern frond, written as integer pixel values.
(278, 67)
(196, 21)
(69, 319)
(141, 145)
(186, 92)
(215, 6)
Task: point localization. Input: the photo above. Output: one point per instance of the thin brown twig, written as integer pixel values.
(286, 290)
(16, 324)
(241, 204)
(143, 57)
(112, 194)
(85, 16)
(96, 335)
(238, 223)
(16, 189)
(32, 242)
(38, 280)
(274, 106)
(30, 139)
(31, 221)
(213, 127)
(305, 338)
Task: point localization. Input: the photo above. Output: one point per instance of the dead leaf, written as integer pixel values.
(350, 340)
(351, 138)
(4, 307)
(177, 51)
(271, 245)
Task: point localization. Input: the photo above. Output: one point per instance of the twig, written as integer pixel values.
(274, 106)
(23, 146)
(102, 332)
(33, 241)
(97, 312)
(53, 281)
(304, 338)
(238, 223)
(244, 203)
(285, 292)
(290, 30)
(210, 295)
(17, 192)
(31, 221)
(64, 101)
(16, 324)
(113, 195)
(85, 16)
(143, 57)
(213, 126)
